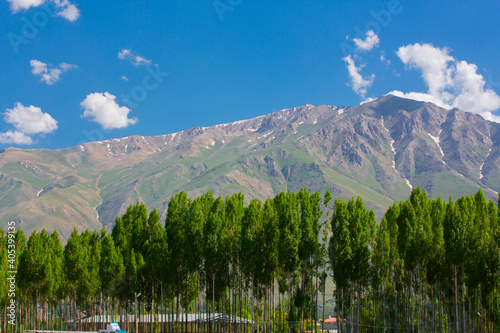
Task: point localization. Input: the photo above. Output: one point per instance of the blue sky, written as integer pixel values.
(74, 71)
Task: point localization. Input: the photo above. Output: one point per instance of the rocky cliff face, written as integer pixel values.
(378, 150)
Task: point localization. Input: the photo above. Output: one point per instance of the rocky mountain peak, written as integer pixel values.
(378, 150)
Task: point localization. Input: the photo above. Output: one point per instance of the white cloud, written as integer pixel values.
(27, 120)
(30, 119)
(421, 97)
(357, 82)
(367, 100)
(141, 61)
(124, 78)
(17, 5)
(451, 83)
(135, 59)
(38, 67)
(103, 109)
(491, 117)
(66, 67)
(386, 61)
(433, 62)
(370, 42)
(49, 75)
(66, 9)
(472, 95)
(15, 137)
(124, 53)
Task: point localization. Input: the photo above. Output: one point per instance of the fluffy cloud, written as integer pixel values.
(38, 67)
(66, 9)
(15, 137)
(357, 82)
(27, 120)
(123, 78)
(17, 5)
(421, 97)
(135, 59)
(451, 83)
(103, 109)
(472, 95)
(49, 75)
(124, 53)
(370, 42)
(30, 119)
(433, 62)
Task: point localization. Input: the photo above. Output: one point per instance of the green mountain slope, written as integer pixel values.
(378, 150)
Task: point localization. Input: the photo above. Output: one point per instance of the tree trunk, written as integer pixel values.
(323, 311)
(463, 301)
(213, 299)
(470, 319)
(187, 304)
(289, 300)
(315, 310)
(383, 307)
(36, 306)
(199, 301)
(456, 298)
(341, 319)
(351, 309)
(358, 319)
(396, 321)
(279, 312)
(74, 307)
(412, 304)
(419, 300)
(252, 306)
(136, 324)
(258, 307)
(274, 300)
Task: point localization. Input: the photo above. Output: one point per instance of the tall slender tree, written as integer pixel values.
(288, 214)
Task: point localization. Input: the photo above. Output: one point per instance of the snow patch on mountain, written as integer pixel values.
(481, 176)
(392, 147)
(436, 140)
(394, 158)
(239, 122)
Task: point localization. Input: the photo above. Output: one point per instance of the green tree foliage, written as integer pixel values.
(35, 266)
(110, 266)
(431, 265)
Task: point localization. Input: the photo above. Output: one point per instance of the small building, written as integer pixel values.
(330, 325)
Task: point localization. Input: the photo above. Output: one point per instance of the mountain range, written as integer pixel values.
(378, 150)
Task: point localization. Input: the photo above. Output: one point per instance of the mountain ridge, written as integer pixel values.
(377, 150)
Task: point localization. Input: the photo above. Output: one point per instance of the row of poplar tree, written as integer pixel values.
(429, 266)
